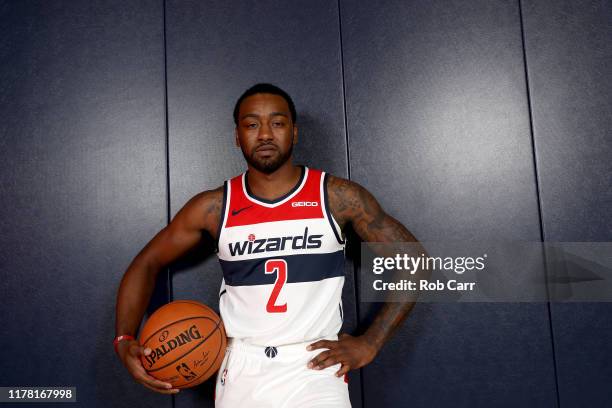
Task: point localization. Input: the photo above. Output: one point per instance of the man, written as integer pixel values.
(279, 229)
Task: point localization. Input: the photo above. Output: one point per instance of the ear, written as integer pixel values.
(295, 134)
(237, 141)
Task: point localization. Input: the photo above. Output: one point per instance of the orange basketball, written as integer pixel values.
(187, 342)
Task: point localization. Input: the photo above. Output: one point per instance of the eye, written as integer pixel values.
(278, 124)
(251, 125)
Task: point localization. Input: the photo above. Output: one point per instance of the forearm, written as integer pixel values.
(388, 319)
(391, 315)
(134, 294)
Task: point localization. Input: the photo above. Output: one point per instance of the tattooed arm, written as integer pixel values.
(201, 213)
(352, 204)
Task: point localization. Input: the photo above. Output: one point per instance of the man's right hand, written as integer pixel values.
(130, 353)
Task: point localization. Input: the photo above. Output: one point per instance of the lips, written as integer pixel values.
(266, 148)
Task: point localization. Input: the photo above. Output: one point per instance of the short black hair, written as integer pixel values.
(264, 88)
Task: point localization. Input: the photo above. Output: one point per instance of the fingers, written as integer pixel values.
(136, 350)
(139, 373)
(315, 362)
(162, 391)
(132, 360)
(155, 384)
(324, 360)
(328, 359)
(336, 354)
(343, 370)
(329, 344)
(328, 362)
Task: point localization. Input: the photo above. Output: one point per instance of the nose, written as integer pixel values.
(265, 131)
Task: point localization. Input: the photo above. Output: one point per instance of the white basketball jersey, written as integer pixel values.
(282, 262)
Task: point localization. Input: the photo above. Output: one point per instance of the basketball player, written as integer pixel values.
(279, 233)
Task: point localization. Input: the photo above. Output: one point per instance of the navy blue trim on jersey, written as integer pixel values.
(341, 314)
(222, 218)
(327, 210)
(223, 292)
(279, 199)
(300, 268)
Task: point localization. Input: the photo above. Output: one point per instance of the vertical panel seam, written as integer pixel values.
(167, 137)
(346, 132)
(348, 172)
(539, 200)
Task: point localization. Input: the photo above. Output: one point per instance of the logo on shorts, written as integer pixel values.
(271, 352)
(223, 376)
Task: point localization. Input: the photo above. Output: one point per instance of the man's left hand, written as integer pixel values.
(351, 352)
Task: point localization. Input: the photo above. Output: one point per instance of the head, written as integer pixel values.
(266, 129)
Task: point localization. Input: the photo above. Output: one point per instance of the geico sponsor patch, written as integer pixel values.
(305, 204)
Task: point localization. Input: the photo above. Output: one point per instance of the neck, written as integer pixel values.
(276, 184)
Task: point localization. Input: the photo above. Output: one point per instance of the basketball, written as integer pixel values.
(187, 342)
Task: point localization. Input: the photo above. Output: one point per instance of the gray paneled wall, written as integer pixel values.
(468, 120)
(439, 130)
(569, 57)
(83, 186)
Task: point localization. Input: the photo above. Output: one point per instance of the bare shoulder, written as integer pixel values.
(348, 200)
(351, 203)
(202, 211)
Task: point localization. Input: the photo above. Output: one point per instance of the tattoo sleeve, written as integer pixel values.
(352, 204)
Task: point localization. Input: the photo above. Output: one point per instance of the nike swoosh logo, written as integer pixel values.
(236, 212)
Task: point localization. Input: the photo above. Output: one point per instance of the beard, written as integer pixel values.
(270, 164)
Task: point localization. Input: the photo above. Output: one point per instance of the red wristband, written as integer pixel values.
(121, 338)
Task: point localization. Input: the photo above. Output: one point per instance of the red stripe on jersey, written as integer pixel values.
(246, 211)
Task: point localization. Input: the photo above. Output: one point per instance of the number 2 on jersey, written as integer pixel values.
(278, 266)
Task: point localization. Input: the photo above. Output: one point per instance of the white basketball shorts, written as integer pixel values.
(277, 377)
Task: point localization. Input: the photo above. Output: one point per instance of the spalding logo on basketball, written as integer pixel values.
(187, 340)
